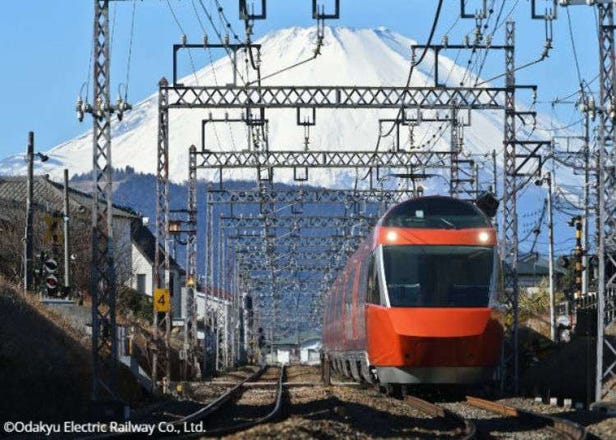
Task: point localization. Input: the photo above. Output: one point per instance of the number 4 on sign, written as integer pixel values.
(162, 301)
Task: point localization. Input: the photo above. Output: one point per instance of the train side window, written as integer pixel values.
(373, 283)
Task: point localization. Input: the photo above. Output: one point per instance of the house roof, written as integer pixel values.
(50, 195)
(536, 266)
(145, 241)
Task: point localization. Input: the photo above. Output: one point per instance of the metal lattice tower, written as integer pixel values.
(510, 219)
(454, 171)
(191, 348)
(160, 354)
(102, 288)
(606, 201)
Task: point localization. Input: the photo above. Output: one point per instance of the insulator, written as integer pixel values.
(478, 35)
(79, 109)
(120, 108)
(488, 40)
(445, 40)
(466, 41)
(99, 107)
(611, 110)
(205, 39)
(184, 40)
(226, 39)
(591, 107)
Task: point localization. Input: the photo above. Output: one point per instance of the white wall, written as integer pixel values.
(141, 265)
(123, 244)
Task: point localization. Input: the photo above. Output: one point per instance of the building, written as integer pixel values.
(142, 263)
(533, 270)
(134, 243)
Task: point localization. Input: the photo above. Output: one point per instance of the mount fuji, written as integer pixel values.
(365, 57)
(362, 57)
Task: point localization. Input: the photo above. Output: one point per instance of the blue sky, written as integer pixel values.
(46, 46)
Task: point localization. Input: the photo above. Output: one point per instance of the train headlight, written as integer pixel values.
(484, 237)
(392, 236)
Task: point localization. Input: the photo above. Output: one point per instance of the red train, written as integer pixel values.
(416, 302)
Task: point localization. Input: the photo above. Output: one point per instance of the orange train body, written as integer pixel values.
(416, 302)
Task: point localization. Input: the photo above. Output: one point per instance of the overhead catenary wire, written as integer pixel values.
(130, 49)
(220, 38)
(192, 61)
(415, 64)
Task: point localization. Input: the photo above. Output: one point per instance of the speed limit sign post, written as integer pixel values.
(162, 300)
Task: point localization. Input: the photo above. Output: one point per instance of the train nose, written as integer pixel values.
(438, 322)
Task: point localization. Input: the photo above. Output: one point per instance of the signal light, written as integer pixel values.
(51, 282)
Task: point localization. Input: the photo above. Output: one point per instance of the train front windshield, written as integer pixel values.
(438, 276)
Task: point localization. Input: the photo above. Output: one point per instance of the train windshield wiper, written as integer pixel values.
(448, 223)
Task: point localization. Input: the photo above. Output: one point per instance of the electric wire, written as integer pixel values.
(412, 68)
(575, 56)
(130, 49)
(220, 37)
(216, 135)
(192, 61)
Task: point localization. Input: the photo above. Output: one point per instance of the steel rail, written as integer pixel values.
(246, 425)
(220, 401)
(197, 415)
(468, 432)
(565, 428)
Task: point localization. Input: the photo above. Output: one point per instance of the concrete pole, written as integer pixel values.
(551, 257)
(585, 272)
(28, 250)
(67, 272)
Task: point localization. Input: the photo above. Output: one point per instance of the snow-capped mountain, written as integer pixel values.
(365, 57)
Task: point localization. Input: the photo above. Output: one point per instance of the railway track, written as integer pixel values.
(237, 418)
(565, 429)
(464, 429)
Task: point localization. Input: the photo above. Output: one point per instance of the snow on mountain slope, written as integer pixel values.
(366, 57)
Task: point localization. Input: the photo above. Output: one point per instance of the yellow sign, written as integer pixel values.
(162, 300)
(53, 234)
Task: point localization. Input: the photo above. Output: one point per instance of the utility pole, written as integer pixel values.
(28, 238)
(579, 253)
(551, 258)
(67, 272)
(585, 277)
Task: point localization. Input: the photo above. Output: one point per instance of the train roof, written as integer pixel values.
(435, 212)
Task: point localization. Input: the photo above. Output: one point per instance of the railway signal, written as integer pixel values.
(51, 281)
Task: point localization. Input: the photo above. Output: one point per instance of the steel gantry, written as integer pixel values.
(266, 160)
